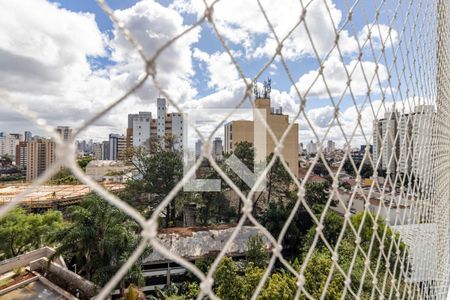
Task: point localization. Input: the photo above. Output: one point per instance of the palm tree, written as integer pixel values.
(99, 239)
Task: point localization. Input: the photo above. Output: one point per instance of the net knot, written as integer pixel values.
(206, 285)
(277, 250)
(209, 13)
(150, 230)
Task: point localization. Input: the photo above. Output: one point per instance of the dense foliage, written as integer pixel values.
(21, 232)
(99, 239)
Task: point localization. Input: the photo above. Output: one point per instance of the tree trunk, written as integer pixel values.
(168, 215)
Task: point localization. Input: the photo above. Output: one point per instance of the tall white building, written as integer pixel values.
(28, 136)
(403, 141)
(161, 119)
(8, 143)
(141, 129)
(217, 148)
(174, 128)
(331, 146)
(105, 150)
(65, 132)
(198, 148)
(311, 148)
(117, 146)
(385, 143)
(414, 137)
(97, 150)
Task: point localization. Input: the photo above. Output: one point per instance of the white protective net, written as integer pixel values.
(400, 51)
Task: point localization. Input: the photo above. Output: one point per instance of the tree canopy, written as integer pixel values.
(21, 232)
(99, 239)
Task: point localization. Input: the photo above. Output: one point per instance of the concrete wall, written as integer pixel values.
(25, 259)
(65, 276)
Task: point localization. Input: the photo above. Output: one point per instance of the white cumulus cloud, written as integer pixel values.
(336, 75)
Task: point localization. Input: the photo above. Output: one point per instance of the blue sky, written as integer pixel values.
(74, 61)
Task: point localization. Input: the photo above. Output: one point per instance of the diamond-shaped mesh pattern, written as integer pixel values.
(398, 78)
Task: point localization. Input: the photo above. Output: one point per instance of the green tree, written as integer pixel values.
(275, 216)
(317, 193)
(320, 169)
(246, 154)
(280, 286)
(21, 232)
(84, 161)
(64, 176)
(257, 252)
(251, 279)
(332, 226)
(365, 172)
(316, 274)
(278, 181)
(274, 219)
(353, 261)
(160, 172)
(99, 239)
(229, 285)
(348, 167)
(213, 207)
(5, 161)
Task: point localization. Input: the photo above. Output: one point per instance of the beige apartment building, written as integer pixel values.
(40, 156)
(244, 130)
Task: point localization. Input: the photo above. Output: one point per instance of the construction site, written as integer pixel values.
(50, 196)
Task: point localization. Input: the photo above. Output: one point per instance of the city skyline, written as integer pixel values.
(203, 77)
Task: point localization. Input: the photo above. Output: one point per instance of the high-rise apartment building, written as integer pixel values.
(198, 148)
(8, 143)
(97, 151)
(161, 112)
(401, 142)
(311, 148)
(217, 148)
(40, 156)
(22, 154)
(122, 147)
(129, 131)
(174, 129)
(117, 146)
(105, 150)
(331, 146)
(28, 136)
(113, 146)
(140, 130)
(385, 144)
(414, 139)
(243, 130)
(166, 129)
(65, 132)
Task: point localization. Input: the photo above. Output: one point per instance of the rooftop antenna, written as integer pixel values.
(255, 90)
(267, 88)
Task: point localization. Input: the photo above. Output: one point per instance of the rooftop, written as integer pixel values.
(106, 163)
(32, 276)
(48, 194)
(197, 242)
